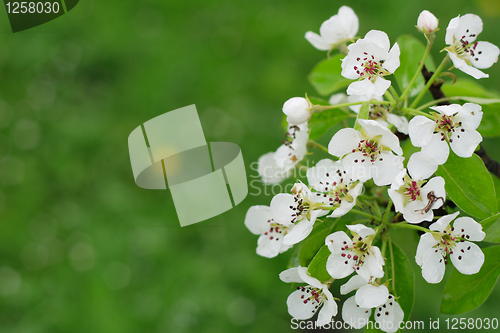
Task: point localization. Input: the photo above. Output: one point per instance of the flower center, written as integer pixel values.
(369, 148)
(462, 48)
(359, 249)
(316, 295)
(276, 230)
(378, 111)
(301, 208)
(448, 240)
(369, 67)
(413, 191)
(445, 125)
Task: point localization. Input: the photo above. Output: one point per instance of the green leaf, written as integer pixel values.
(468, 183)
(317, 267)
(325, 76)
(471, 91)
(314, 242)
(364, 113)
(294, 259)
(321, 123)
(491, 226)
(412, 51)
(463, 293)
(402, 284)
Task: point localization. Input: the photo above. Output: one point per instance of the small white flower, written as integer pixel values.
(299, 211)
(380, 113)
(334, 186)
(298, 110)
(354, 253)
(370, 59)
(260, 222)
(357, 309)
(427, 22)
(306, 301)
(414, 199)
(464, 51)
(454, 241)
(337, 29)
(453, 123)
(274, 167)
(368, 154)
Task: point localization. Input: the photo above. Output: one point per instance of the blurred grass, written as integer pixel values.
(82, 248)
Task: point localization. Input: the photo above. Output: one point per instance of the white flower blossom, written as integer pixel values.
(298, 110)
(368, 153)
(427, 22)
(380, 113)
(453, 241)
(337, 29)
(274, 167)
(453, 123)
(306, 301)
(298, 210)
(357, 309)
(356, 253)
(260, 222)
(415, 197)
(467, 54)
(333, 186)
(370, 59)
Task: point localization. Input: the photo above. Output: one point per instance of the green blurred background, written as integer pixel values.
(82, 248)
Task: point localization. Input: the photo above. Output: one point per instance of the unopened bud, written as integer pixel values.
(297, 110)
(427, 22)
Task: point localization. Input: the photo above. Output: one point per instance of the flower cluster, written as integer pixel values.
(366, 186)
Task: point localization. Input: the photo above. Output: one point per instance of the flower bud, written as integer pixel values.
(297, 110)
(427, 22)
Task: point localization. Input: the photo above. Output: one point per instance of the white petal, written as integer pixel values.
(441, 224)
(379, 38)
(466, 226)
(354, 283)
(317, 41)
(464, 143)
(344, 207)
(381, 85)
(450, 30)
(358, 166)
(322, 172)
(401, 122)
(469, 26)
(296, 306)
(336, 241)
(300, 231)
(296, 109)
(328, 310)
(361, 230)
(339, 267)
(485, 55)
(467, 258)
(466, 68)
(433, 266)
(344, 141)
(392, 62)
(372, 267)
(364, 88)
(437, 149)
(370, 296)
(257, 219)
(470, 116)
(309, 279)
(349, 21)
(422, 165)
(269, 245)
(389, 139)
(291, 275)
(353, 314)
(339, 98)
(426, 243)
(385, 167)
(389, 316)
(280, 208)
(447, 110)
(420, 129)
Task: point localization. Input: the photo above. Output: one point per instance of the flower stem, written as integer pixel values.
(430, 82)
(362, 213)
(417, 73)
(406, 225)
(314, 144)
(394, 92)
(321, 108)
(386, 213)
(415, 112)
